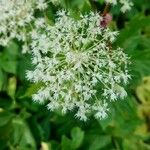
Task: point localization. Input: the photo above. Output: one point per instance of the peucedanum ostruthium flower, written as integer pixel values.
(78, 68)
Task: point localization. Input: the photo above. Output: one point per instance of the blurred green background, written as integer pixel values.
(25, 125)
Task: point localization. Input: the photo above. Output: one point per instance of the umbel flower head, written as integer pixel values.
(77, 66)
(15, 15)
(125, 4)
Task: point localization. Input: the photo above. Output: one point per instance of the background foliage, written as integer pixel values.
(25, 125)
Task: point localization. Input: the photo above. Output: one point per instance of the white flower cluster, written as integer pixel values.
(55, 2)
(77, 66)
(126, 4)
(15, 15)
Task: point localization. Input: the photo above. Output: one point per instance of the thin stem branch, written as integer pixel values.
(106, 10)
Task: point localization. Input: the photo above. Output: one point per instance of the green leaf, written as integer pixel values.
(99, 141)
(5, 117)
(24, 65)
(9, 58)
(77, 137)
(143, 91)
(140, 64)
(9, 66)
(101, 1)
(5, 101)
(12, 50)
(11, 89)
(66, 143)
(22, 136)
(135, 144)
(1, 79)
(32, 90)
(130, 37)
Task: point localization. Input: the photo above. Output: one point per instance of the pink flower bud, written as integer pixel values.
(107, 18)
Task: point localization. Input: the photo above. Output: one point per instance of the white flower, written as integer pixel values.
(55, 2)
(15, 16)
(101, 110)
(126, 4)
(78, 68)
(41, 4)
(114, 2)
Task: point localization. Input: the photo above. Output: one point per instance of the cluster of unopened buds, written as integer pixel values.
(73, 59)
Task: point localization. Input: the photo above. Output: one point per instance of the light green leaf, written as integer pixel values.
(77, 137)
(99, 141)
(22, 136)
(32, 90)
(66, 143)
(11, 88)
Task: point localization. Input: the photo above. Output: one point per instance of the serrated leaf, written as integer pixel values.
(22, 136)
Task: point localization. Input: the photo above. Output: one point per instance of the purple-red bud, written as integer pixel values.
(107, 18)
